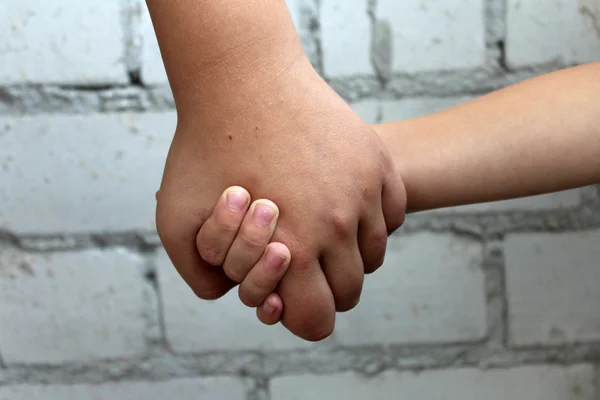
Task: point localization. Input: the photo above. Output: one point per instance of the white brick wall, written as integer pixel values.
(558, 30)
(435, 36)
(552, 285)
(430, 289)
(62, 41)
(85, 173)
(350, 18)
(524, 383)
(93, 320)
(65, 307)
(181, 389)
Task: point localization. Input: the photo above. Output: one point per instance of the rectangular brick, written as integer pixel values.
(195, 325)
(553, 287)
(78, 306)
(434, 36)
(346, 38)
(82, 173)
(62, 41)
(430, 289)
(542, 32)
(519, 383)
(181, 389)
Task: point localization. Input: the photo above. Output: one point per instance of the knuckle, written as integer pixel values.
(253, 239)
(223, 225)
(342, 224)
(209, 252)
(234, 273)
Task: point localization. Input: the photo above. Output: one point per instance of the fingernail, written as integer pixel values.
(263, 214)
(236, 201)
(268, 308)
(274, 259)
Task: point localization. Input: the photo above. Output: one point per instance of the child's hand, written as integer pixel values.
(241, 239)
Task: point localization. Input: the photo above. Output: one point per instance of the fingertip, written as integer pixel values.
(277, 251)
(269, 313)
(235, 198)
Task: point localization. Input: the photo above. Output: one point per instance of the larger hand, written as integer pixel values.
(293, 140)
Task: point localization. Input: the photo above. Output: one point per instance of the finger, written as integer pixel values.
(269, 313)
(177, 232)
(218, 232)
(309, 306)
(344, 270)
(252, 238)
(393, 201)
(264, 277)
(372, 238)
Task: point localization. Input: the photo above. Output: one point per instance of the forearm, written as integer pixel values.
(539, 136)
(215, 50)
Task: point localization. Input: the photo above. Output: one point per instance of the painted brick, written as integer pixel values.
(438, 36)
(522, 383)
(62, 41)
(153, 69)
(563, 30)
(82, 173)
(195, 325)
(346, 38)
(553, 287)
(181, 389)
(77, 306)
(430, 289)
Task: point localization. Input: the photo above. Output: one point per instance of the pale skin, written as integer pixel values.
(536, 137)
(252, 111)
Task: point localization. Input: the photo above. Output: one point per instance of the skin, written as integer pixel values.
(539, 136)
(251, 109)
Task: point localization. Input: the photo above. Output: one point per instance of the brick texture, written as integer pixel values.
(440, 36)
(58, 41)
(348, 17)
(93, 173)
(523, 383)
(552, 285)
(430, 289)
(66, 307)
(183, 389)
(565, 31)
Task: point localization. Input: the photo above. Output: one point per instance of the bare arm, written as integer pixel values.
(539, 136)
(215, 50)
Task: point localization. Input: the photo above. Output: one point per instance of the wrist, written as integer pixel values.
(399, 139)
